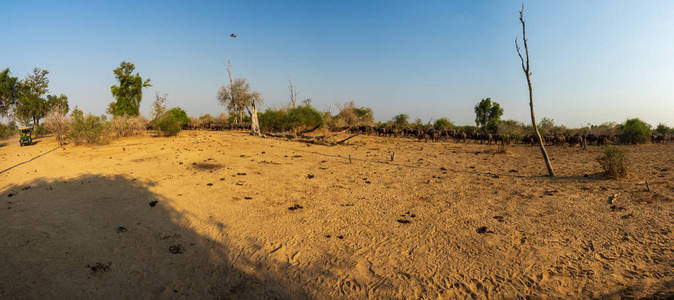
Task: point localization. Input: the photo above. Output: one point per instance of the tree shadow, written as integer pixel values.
(32, 159)
(111, 237)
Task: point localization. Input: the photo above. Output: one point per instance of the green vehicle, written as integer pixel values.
(26, 136)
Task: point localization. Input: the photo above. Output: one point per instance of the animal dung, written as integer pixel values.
(296, 206)
(153, 203)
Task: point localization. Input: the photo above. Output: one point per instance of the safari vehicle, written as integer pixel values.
(26, 136)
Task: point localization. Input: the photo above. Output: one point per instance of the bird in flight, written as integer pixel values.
(232, 35)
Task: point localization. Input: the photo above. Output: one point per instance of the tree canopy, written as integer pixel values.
(129, 93)
(31, 105)
(487, 114)
(237, 97)
(8, 91)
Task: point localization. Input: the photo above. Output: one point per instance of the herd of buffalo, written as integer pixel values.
(464, 136)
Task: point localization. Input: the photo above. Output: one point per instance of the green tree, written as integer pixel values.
(58, 103)
(401, 120)
(180, 115)
(32, 106)
(662, 129)
(487, 114)
(8, 92)
(443, 123)
(129, 93)
(635, 131)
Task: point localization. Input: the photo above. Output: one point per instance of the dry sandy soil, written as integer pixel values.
(236, 216)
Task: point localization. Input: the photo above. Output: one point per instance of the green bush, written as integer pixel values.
(7, 130)
(298, 118)
(169, 124)
(635, 131)
(613, 162)
(443, 123)
(89, 129)
(179, 114)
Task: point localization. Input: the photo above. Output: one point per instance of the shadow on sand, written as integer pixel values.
(98, 237)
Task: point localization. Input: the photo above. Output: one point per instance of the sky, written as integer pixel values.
(592, 61)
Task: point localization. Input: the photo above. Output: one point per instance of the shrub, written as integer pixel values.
(88, 129)
(291, 119)
(169, 124)
(125, 125)
(443, 123)
(401, 121)
(180, 115)
(350, 115)
(635, 131)
(613, 162)
(57, 123)
(8, 129)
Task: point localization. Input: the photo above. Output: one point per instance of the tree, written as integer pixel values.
(293, 93)
(527, 74)
(635, 131)
(57, 123)
(662, 129)
(31, 105)
(58, 103)
(129, 93)
(443, 123)
(400, 120)
(238, 98)
(487, 114)
(8, 92)
(546, 125)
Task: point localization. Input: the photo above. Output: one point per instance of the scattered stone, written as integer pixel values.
(248, 198)
(153, 203)
(483, 229)
(310, 176)
(121, 229)
(443, 169)
(25, 188)
(241, 174)
(627, 216)
(613, 199)
(513, 171)
(404, 221)
(340, 237)
(180, 162)
(586, 175)
(499, 218)
(176, 249)
(327, 236)
(209, 184)
(222, 179)
(495, 176)
(10, 195)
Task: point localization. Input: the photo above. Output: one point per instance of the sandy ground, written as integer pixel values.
(244, 217)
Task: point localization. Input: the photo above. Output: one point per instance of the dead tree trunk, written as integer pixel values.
(254, 123)
(527, 74)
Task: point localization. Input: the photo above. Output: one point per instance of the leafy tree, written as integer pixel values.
(663, 129)
(129, 93)
(635, 131)
(58, 103)
(350, 115)
(401, 120)
(443, 123)
(31, 105)
(89, 129)
(487, 114)
(8, 92)
(180, 115)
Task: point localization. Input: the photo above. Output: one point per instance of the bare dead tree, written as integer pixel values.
(527, 74)
(253, 97)
(293, 93)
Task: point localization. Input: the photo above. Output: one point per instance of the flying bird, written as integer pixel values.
(232, 35)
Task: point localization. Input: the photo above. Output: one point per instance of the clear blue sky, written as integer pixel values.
(593, 61)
